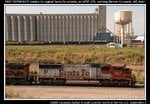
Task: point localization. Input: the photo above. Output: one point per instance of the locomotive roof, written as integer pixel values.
(17, 64)
(50, 64)
(98, 64)
(118, 65)
(92, 64)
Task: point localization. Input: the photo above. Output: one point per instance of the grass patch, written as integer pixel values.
(138, 71)
(73, 54)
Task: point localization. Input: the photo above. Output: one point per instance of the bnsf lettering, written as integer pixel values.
(74, 73)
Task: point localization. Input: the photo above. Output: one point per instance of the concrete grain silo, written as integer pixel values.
(63, 28)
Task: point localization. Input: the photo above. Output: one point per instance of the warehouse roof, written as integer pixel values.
(86, 14)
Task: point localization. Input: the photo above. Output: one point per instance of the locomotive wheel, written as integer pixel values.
(104, 83)
(63, 82)
(127, 84)
(132, 84)
(116, 83)
(10, 81)
(13, 83)
(45, 81)
(50, 82)
(121, 84)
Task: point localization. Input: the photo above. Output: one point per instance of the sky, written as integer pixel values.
(138, 12)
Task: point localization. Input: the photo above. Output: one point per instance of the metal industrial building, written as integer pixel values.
(55, 27)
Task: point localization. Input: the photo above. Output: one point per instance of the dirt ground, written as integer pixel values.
(73, 92)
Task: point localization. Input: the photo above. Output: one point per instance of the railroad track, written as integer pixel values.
(81, 85)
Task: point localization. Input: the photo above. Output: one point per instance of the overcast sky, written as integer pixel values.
(138, 16)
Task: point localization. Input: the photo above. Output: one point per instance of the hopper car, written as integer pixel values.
(98, 38)
(47, 73)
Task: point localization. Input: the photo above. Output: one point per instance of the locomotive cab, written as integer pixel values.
(119, 71)
(123, 75)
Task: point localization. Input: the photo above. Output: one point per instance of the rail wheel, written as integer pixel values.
(126, 85)
(122, 84)
(116, 84)
(132, 84)
(104, 83)
(63, 82)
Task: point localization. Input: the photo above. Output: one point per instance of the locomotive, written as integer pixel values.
(48, 73)
(17, 73)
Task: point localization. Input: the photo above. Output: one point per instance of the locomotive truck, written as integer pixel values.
(48, 73)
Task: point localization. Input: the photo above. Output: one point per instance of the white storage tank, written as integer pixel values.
(123, 17)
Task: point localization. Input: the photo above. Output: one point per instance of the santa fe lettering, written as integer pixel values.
(74, 73)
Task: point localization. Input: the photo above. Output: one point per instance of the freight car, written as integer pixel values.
(106, 74)
(98, 38)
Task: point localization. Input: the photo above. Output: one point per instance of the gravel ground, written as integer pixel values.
(73, 92)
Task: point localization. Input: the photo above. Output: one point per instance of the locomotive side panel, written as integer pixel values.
(17, 69)
(49, 70)
(76, 72)
(68, 72)
(103, 71)
(49, 73)
(105, 74)
(93, 73)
